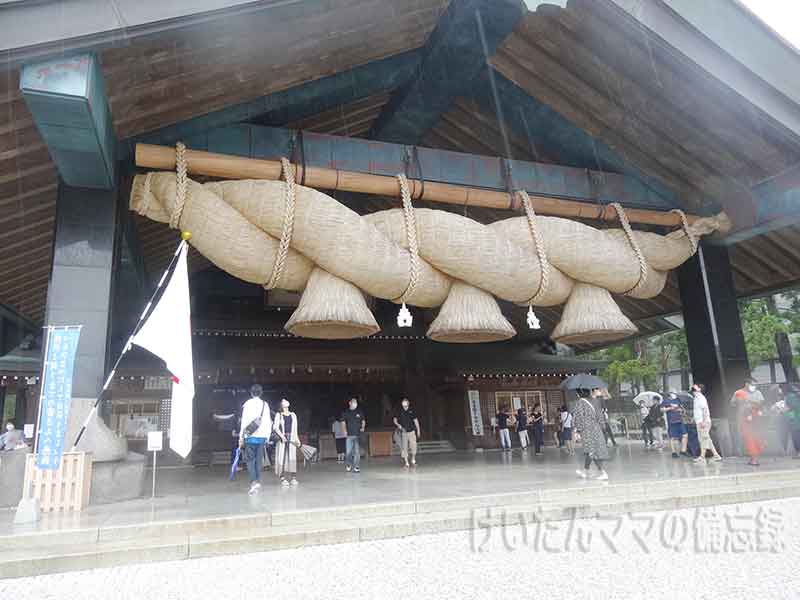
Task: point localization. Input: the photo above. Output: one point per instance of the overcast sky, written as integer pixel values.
(782, 15)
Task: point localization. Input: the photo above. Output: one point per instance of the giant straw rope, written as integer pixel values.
(276, 233)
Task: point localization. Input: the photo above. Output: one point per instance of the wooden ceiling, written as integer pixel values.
(164, 78)
(662, 116)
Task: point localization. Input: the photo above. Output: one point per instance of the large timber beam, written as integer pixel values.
(236, 167)
(466, 36)
(67, 99)
(293, 104)
(437, 166)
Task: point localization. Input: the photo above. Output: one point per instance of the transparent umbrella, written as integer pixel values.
(649, 399)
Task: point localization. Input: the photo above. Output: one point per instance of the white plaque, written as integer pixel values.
(155, 441)
(475, 412)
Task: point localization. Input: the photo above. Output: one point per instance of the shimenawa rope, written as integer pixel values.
(288, 225)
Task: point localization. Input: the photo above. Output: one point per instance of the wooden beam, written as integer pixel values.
(456, 51)
(234, 167)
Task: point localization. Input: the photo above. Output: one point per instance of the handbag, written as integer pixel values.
(253, 426)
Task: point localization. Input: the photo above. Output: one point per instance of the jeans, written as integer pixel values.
(647, 433)
(693, 442)
(538, 436)
(253, 454)
(505, 438)
(353, 454)
(523, 438)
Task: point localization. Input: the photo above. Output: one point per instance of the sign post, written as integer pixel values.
(155, 443)
(55, 397)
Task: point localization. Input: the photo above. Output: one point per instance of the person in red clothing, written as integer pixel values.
(749, 403)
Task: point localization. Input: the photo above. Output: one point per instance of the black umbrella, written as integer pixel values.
(582, 381)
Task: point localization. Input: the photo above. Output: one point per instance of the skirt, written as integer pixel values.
(341, 445)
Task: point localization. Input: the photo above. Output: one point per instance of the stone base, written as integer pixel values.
(12, 476)
(118, 480)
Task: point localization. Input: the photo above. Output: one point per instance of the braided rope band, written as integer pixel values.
(626, 226)
(685, 224)
(541, 253)
(288, 226)
(411, 236)
(181, 185)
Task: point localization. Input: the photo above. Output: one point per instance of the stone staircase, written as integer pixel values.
(68, 549)
(429, 447)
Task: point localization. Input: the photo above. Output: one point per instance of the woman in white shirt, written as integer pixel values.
(285, 425)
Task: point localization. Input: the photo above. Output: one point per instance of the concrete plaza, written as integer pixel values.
(199, 513)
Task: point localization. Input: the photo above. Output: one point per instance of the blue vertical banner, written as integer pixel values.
(56, 394)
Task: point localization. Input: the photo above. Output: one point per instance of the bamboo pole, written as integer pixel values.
(235, 167)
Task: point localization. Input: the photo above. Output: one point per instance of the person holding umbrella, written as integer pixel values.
(286, 448)
(588, 420)
(645, 401)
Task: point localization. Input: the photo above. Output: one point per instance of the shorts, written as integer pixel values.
(677, 430)
(566, 433)
(341, 445)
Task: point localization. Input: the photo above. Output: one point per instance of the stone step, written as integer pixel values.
(211, 538)
(429, 447)
(582, 493)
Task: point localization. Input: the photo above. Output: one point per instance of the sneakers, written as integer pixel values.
(348, 468)
(717, 459)
(406, 465)
(686, 455)
(699, 460)
(602, 477)
(254, 487)
(356, 470)
(675, 455)
(284, 482)
(582, 474)
(294, 482)
(413, 463)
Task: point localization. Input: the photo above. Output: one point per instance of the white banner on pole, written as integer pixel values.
(475, 412)
(167, 333)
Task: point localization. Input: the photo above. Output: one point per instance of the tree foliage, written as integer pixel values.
(759, 325)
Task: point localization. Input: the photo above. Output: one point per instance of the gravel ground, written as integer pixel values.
(724, 552)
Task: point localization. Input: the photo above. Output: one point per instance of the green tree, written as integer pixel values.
(759, 326)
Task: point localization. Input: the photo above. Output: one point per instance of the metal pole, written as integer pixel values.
(128, 344)
(155, 454)
(41, 389)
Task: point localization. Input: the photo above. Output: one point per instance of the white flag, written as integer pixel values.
(167, 333)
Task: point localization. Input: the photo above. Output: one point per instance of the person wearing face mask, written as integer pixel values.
(285, 425)
(678, 433)
(407, 422)
(749, 403)
(354, 425)
(702, 420)
(12, 438)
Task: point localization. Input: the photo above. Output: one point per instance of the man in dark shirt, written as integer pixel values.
(678, 433)
(502, 428)
(354, 423)
(408, 424)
